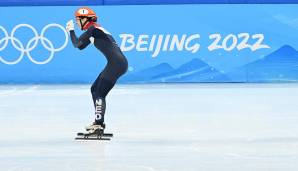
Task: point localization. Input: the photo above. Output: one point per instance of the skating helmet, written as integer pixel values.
(85, 12)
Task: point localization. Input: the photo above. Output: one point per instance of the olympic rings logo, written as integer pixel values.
(32, 43)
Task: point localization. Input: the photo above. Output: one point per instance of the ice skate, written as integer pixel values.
(94, 126)
(94, 132)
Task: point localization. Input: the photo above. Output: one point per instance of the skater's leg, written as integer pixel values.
(102, 86)
(94, 88)
(99, 90)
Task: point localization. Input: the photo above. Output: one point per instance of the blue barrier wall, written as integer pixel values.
(136, 2)
(168, 43)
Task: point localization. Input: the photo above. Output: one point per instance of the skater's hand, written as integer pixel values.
(69, 25)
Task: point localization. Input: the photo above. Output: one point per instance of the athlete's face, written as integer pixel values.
(79, 23)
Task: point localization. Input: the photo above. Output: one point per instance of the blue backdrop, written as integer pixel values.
(137, 2)
(174, 43)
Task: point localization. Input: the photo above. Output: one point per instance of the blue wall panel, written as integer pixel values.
(50, 2)
(145, 2)
(135, 2)
(167, 43)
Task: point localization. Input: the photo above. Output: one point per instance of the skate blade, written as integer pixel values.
(95, 134)
(93, 138)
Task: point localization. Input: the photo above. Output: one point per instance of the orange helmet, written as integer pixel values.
(85, 12)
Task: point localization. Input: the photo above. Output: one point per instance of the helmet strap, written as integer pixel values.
(83, 24)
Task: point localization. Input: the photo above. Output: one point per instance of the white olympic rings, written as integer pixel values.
(32, 43)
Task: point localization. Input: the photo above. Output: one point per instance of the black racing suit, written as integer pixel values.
(116, 65)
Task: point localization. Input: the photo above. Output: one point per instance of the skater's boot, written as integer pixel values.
(94, 131)
(95, 127)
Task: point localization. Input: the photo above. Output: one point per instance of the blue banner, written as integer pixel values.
(175, 43)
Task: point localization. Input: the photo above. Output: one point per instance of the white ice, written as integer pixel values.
(170, 127)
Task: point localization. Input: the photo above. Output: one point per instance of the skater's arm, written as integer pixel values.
(83, 41)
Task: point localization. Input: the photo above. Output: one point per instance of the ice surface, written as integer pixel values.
(183, 127)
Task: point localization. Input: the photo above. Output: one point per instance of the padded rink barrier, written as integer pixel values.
(197, 41)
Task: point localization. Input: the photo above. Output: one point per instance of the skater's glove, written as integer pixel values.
(69, 26)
